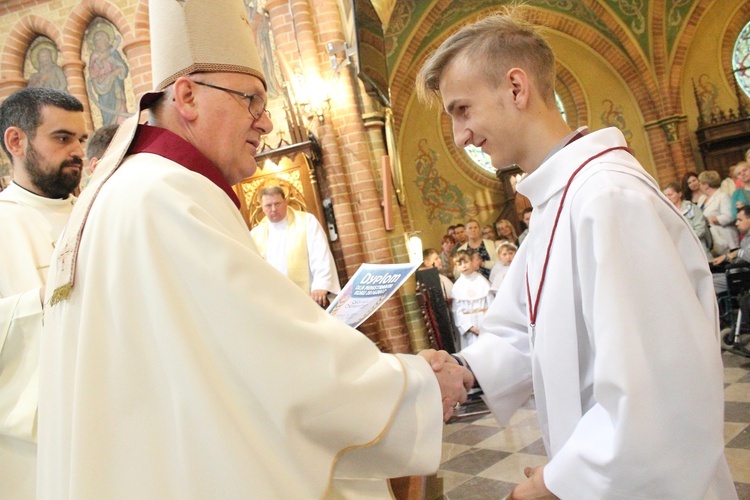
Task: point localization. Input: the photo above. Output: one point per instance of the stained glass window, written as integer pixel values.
(741, 59)
(483, 160)
(480, 158)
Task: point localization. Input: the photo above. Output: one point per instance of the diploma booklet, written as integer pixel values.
(368, 289)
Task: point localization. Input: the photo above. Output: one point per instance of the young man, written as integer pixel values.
(95, 148)
(459, 234)
(295, 244)
(181, 364)
(628, 387)
(430, 259)
(739, 256)
(43, 131)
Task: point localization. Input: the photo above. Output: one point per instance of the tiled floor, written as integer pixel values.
(483, 460)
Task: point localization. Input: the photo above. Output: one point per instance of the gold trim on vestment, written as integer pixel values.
(377, 438)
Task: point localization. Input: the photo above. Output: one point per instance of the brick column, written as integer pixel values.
(388, 324)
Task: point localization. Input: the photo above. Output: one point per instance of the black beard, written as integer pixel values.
(56, 184)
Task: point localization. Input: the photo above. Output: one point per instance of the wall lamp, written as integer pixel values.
(339, 50)
(311, 96)
(414, 246)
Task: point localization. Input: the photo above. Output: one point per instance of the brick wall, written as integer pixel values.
(65, 22)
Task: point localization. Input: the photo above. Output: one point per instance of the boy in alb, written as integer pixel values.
(470, 299)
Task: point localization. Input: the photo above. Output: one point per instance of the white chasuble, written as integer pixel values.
(182, 365)
(30, 225)
(624, 360)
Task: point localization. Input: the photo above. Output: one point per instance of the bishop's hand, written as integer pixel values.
(454, 380)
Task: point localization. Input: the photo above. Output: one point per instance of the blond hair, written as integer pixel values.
(496, 43)
(462, 256)
(710, 177)
(506, 244)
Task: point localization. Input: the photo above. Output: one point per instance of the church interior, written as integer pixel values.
(354, 146)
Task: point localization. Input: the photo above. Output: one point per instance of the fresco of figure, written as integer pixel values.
(107, 72)
(48, 74)
(261, 27)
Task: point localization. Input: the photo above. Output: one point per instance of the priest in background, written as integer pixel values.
(43, 131)
(295, 244)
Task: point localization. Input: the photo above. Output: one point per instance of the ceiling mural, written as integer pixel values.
(634, 16)
(443, 201)
(400, 26)
(676, 16)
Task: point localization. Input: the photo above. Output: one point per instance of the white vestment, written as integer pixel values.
(182, 366)
(470, 301)
(30, 226)
(724, 232)
(323, 274)
(447, 286)
(496, 278)
(624, 360)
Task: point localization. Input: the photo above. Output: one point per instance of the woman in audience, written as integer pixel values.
(692, 213)
(506, 231)
(717, 208)
(446, 261)
(691, 188)
(741, 195)
(485, 248)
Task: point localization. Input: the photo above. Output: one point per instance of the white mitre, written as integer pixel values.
(187, 36)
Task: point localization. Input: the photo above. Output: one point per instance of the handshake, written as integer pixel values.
(454, 380)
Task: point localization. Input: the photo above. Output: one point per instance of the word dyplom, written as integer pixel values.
(375, 279)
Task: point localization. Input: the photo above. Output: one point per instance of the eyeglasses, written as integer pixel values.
(255, 105)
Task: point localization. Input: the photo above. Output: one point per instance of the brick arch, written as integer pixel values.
(630, 65)
(570, 91)
(82, 15)
(677, 59)
(142, 23)
(677, 78)
(78, 20)
(16, 45)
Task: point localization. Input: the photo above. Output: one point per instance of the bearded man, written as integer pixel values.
(43, 131)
